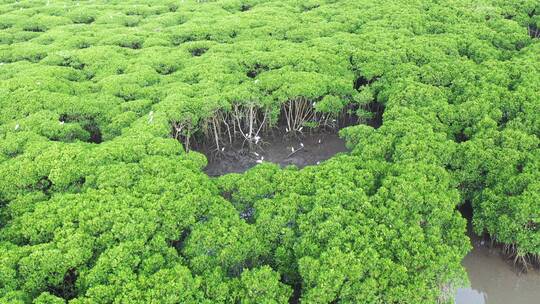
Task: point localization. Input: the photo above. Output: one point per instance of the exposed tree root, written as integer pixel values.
(524, 260)
(250, 123)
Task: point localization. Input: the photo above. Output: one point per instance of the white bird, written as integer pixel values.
(257, 154)
(292, 149)
(257, 139)
(286, 129)
(256, 81)
(61, 122)
(300, 130)
(314, 104)
(319, 140)
(301, 145)
(259, 161)
(318, 163)
(222, 149)
(17, 127)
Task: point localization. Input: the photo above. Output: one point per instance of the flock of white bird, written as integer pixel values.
(260, 158)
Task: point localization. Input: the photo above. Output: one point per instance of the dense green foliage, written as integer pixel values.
(101, 203)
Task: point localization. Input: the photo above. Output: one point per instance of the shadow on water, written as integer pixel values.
(494, 279)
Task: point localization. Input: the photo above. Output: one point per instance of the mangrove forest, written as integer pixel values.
(265, 151)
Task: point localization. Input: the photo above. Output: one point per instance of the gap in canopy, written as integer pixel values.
(235, 142)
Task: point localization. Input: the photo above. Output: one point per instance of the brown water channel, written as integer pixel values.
(494, 278)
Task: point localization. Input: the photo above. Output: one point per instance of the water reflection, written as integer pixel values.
(469, 295)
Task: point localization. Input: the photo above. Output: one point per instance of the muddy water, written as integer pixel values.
(301, 151)
(494, 279)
